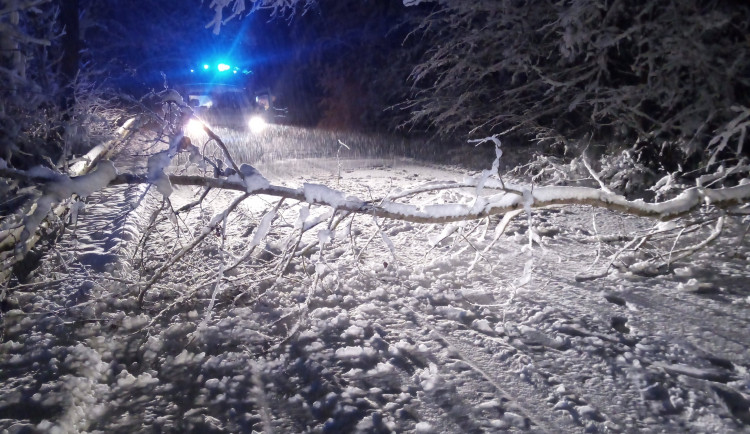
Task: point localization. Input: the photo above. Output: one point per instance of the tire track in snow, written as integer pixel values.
(469, 345)
(525, 398)
(440, 407)
(596, 405)
(694, 323)
(673, 323)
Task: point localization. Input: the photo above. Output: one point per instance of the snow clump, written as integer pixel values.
(318, 193)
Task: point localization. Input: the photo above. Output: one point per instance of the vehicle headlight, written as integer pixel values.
(257, 124)
(195, 127)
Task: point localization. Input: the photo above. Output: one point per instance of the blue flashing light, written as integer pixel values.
(205, 66)
(223, 67)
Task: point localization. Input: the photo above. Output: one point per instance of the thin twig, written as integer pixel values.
(206, 231)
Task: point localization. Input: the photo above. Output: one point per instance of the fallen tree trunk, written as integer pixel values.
(510, 198)
(83, 165)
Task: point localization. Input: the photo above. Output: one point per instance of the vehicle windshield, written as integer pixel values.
(231, 101)
(222, 98)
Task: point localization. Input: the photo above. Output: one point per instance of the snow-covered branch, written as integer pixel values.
(509, 197)
(49, 193)
(508, 200)
(237, 8)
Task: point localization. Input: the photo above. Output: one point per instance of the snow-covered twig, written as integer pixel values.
(147, 233)
(687, 251)
(260, 233)
(217, 220)
(596, 177)
(338, 159)
(605, 271)
(218, 284)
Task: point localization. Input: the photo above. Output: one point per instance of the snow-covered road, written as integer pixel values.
(390, 327)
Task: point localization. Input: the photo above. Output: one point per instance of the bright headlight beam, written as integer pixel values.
(194, 127)
(257, 124)
(223, 67)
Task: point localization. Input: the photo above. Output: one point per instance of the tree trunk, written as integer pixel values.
(71, 48)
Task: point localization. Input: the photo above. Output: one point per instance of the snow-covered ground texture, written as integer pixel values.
(372, 325)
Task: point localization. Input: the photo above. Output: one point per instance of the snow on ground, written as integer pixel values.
(379, 326)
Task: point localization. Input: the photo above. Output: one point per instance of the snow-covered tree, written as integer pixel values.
(49, 109)
(665, 71)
